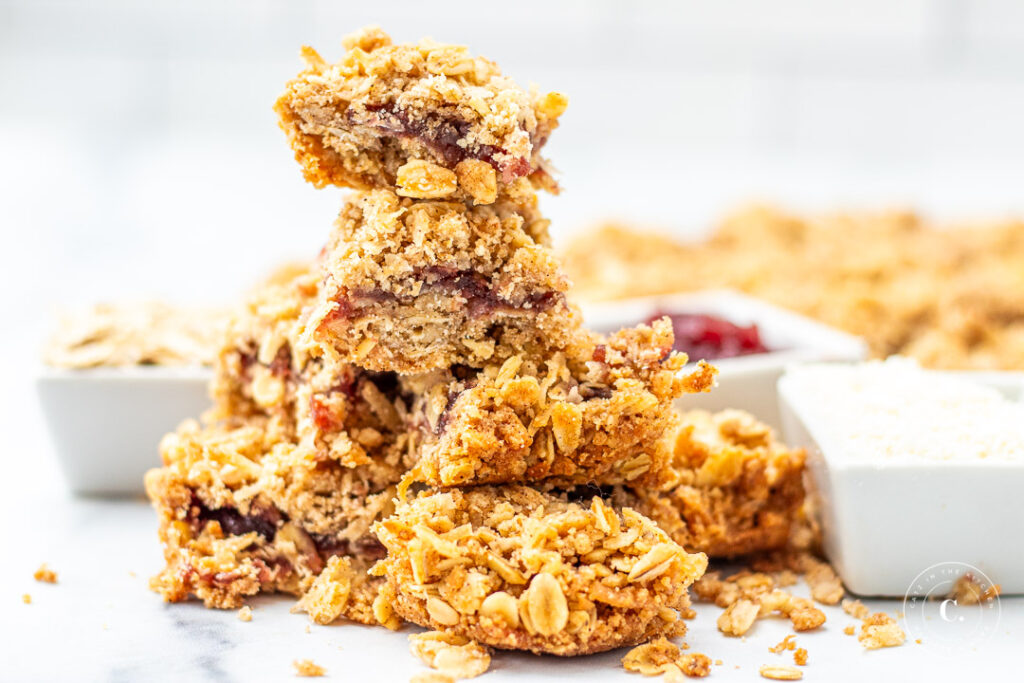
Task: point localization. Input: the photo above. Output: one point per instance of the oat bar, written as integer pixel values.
(598, 413)
(412, 286)
(511, 567)
(427, 120)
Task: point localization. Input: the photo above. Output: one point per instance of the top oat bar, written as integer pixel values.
(426, 120)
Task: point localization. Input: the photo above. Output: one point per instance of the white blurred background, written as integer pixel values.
(139, 155)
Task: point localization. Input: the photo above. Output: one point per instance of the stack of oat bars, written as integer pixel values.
(416, 426)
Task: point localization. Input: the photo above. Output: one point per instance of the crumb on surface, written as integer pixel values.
(880, 630)
(306, 668)
(26, 598)
(245, 613)
(849, 630)
(44, 574)
(800, 656)
(451, 654)
(787, 643)
(856, 609)
(662, 657)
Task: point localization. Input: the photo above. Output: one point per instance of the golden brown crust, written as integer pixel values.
(513, 568)
(357, 122)
(740, 489)
(598, 413)
(416, 285)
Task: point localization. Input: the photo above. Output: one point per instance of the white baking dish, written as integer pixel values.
(887, 522)
(106, 423)
(745, 382)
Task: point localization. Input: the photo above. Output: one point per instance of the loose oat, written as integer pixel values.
(800, 656)
(738, 618)
(780, 673)
(451, 654)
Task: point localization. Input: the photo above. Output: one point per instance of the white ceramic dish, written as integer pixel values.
(106, 423)
(886, 524)
(746, 382)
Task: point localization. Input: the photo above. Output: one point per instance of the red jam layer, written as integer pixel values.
(699, 335)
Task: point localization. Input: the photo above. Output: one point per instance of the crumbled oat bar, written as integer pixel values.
(597, 413)
(241, 513)
(427, 119)
(949, 296)
(513, 568)
(740, 491)
(413, 286)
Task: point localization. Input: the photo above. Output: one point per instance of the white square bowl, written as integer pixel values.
(106, 423)
(745, 382)
(884, 523)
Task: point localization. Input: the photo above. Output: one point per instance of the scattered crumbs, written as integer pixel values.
(132, 574)
(26, 598)
(718, 662)
(245, 614)
(44, 574)
(308, 630)
(106, 627)
(849, 630)
(685, 646)
(780, 673)
(800, 656)
(305, 668)
(918, 641)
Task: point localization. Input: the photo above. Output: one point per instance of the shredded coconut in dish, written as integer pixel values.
(894, 410)
(143, 333)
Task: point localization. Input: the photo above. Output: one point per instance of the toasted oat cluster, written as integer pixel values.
(949, 296)
(428, 120)
(240, 513)
(412, 286)
(739, 489)
(511, 567)
(598, 413)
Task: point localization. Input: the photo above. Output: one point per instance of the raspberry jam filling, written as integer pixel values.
(470, 286)
(699, 335)
(266, 520)
(446, 137)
